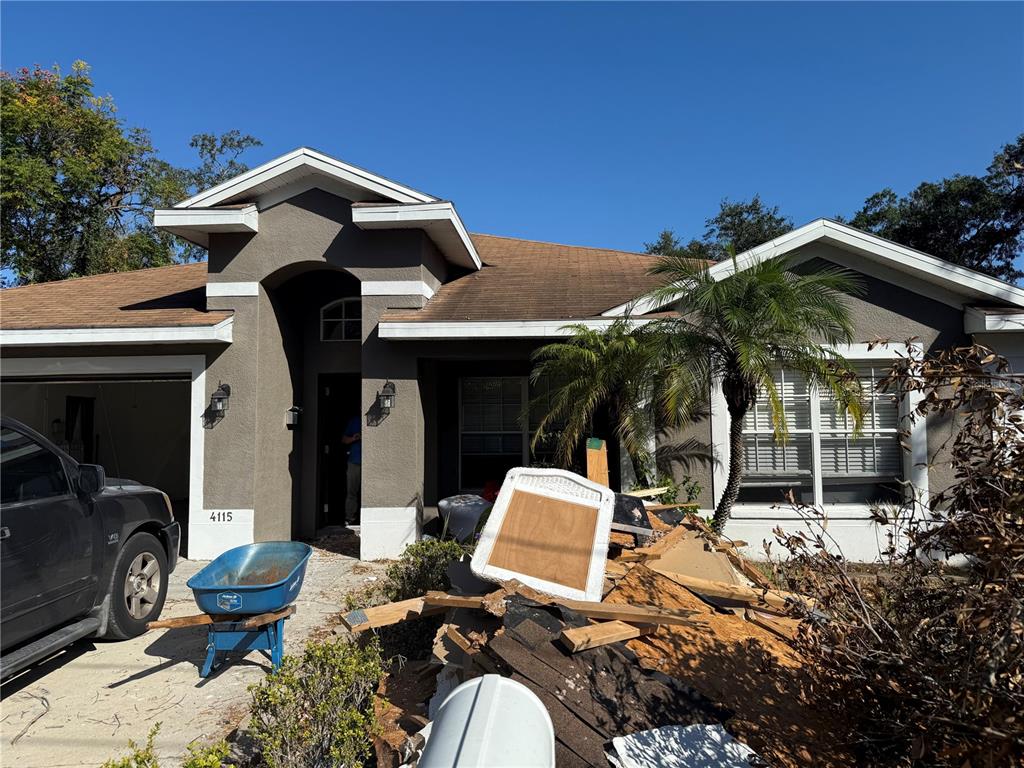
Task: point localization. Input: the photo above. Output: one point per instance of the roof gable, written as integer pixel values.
(971, 285)
(303, 167)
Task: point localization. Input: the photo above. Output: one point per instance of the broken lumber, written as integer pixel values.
(622, 540)
(777, 625)
(613, 569)
(780, 601)
(631, 613)
(646, 493)
(362, 619)
(581, 638)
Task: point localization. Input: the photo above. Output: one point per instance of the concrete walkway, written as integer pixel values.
(100, 694)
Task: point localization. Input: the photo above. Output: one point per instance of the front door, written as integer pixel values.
(338, 400)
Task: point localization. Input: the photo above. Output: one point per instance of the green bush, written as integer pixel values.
(422, 567)
(317, 710)
(138, 757)
(212, 756)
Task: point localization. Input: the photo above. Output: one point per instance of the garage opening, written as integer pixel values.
(136, 428)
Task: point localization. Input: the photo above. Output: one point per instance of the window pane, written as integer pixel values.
(332, 330)
(850, 490)
(353, 309)
(352, 330)
(478, 471)
(777, 492)
(28, 470)
(334, 312)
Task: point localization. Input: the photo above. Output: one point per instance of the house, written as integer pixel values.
(331, 292)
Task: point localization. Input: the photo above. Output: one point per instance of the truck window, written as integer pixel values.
(28, 470)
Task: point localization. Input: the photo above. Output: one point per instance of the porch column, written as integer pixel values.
(392, 470)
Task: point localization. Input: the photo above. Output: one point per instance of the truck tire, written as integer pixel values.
(138, 586)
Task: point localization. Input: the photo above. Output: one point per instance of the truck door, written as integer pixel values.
(46, 541)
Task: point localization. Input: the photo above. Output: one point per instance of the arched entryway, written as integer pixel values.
(317, 313)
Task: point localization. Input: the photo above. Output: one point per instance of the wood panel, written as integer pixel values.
(547, 539)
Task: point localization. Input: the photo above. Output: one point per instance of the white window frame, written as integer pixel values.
(345, 301)
(915, 470)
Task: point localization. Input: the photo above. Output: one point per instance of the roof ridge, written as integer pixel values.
(103, 274)
(563, 245)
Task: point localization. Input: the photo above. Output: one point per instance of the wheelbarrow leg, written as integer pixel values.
(277, 643)
(211, 655)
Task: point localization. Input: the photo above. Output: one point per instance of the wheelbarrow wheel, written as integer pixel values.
(138, 586)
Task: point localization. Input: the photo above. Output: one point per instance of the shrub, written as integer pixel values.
(421, 568)
(212, 756)
(317, 710)
(926, 661)
(138, 757)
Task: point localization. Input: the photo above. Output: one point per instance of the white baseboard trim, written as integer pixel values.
(386, 531)
(218, 530)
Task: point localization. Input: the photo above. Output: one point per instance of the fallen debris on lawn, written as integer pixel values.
(685, 634)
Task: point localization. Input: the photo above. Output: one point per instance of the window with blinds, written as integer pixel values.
(868, 467)
(772, 467)
(850, 470)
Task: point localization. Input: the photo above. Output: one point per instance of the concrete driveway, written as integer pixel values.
(94, 696)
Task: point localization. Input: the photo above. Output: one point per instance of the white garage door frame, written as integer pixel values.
(142, 365)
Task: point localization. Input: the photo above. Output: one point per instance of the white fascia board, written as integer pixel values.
(232, 289)
(907, 260)
(439, 219)
(316, 162)
(499, 329)
(208, 219)
(59, 337)
(395, 288)
(979, 321)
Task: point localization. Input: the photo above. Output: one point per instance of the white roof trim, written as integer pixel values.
(438, 219)
(54, 337)
(314, 161)
(929, 268)
(410, 330)
(196, 224)
(979, 321)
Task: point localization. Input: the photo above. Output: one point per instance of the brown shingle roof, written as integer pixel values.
(162, 296)
(532, 280)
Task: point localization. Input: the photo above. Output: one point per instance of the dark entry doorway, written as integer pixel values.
(338, 400)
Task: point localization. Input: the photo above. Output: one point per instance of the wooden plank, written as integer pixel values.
(738, 592)
(646, 493)
(266, 618)
(582, 638)
(615, 569)
(391, 613)
(184, 621)
(597, 461)
(546, 538)
(631, 613)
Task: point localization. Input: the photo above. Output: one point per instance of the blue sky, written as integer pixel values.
(594, 124)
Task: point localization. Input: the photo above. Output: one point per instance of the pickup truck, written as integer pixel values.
(81, 555)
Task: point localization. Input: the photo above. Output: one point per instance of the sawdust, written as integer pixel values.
(741, 666)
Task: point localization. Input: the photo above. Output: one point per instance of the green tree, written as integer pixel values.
(974, 221)
(741, 225)
(78, 187)
(619, 369)
(740, 329)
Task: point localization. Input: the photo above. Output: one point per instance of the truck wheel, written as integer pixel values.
(138, 586)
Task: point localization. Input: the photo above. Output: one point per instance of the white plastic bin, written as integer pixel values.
(490, 721)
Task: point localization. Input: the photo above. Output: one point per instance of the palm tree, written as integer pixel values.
(595, 368)
(741, 329)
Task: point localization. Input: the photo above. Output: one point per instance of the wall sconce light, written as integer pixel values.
(386, 397)
(219, 399)
(291, 417)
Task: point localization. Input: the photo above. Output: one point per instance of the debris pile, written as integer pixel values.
(684, 632)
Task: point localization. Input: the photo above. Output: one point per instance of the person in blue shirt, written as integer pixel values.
(351, 438)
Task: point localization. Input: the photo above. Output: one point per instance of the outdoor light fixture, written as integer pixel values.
(386, 397)
(219, 399)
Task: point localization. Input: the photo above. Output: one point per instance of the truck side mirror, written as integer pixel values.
(91, 478)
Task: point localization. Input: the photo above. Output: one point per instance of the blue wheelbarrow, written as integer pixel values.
(246, 596)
